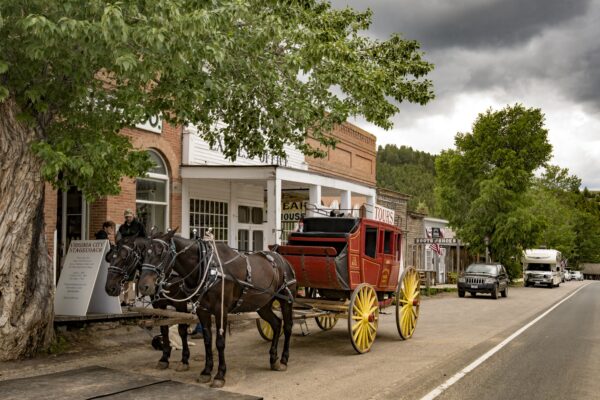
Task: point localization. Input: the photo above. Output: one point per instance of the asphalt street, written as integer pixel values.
(556, 358)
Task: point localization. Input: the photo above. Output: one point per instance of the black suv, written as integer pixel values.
(484, 278)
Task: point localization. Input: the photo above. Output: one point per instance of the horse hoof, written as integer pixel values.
(204, 378)
(182, 367)
(277, 366)
(217, 384)
(162, 365)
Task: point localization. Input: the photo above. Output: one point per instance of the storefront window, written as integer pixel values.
(152, 195)
(209, 214)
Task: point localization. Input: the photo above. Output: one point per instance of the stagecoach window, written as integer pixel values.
(388, 243)
(152, 195)
(209, 214)
(371, 242)
(243, 214)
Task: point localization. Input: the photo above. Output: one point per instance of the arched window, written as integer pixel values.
(152, 195)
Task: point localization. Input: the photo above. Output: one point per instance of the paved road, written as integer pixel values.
(451, 333)
(556, 358)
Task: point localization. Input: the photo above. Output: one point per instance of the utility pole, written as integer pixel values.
(486, 240)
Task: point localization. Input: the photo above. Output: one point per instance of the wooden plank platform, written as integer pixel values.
(60, 319)
(98, 382)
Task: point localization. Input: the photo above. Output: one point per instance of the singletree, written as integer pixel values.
(252, 75)
(482, 183)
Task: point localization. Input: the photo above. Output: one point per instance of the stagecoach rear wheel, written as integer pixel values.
(408, 300)
(363, 317)
(264, 329)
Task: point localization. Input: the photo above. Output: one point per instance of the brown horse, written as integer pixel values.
(125, 259)
(220, 280)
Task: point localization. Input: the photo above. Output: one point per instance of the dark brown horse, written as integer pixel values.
(125, 260)
(220, 280)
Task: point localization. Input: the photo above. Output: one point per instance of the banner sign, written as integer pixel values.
(81, 284)
(293, 211)
(437, 241)
(384, 214)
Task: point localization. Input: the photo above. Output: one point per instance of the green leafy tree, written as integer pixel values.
(571, 220)
(407, 171)
(481, 184)
(251, 75)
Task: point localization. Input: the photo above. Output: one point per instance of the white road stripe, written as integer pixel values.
(459, 375)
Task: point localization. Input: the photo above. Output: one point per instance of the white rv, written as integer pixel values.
(542, 266)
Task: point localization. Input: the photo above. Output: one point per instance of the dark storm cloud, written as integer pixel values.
(469, 23)
(479, 45)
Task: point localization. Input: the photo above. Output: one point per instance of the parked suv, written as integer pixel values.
(484, 278)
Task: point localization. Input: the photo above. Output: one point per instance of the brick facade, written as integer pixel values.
(354, 157)
(168, 145)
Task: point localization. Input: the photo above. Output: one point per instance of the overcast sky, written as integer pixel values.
(493, 53)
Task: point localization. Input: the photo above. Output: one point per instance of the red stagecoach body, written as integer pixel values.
(336, 255)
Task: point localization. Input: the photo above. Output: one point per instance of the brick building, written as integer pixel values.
(156, 198)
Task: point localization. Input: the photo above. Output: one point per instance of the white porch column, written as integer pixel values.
(346, 201)
(185, 208)
(370, 207)
(273, 234)
(314, 198)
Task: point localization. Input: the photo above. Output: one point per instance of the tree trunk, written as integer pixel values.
(26, 287)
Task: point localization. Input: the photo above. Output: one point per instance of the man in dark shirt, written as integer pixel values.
(131, 227)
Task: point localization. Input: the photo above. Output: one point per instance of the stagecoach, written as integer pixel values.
(349, 268)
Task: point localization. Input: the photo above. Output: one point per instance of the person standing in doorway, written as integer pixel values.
(108, 229)
(131, 228)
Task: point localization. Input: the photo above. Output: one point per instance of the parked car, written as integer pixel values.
(568, 276)
(484, 278)
(576, 275)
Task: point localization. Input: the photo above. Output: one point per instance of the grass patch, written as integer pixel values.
(59, 344)
(433, 291)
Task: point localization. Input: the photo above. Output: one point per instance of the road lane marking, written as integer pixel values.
(459, 375)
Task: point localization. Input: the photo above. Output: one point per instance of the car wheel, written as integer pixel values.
(526, 284)
(461, 293)
(551, 286)
(505, 292)
(495, 292)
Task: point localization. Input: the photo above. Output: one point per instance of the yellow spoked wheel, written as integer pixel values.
(408, 300)
(363, 317)
(326, 322)
(264, 329)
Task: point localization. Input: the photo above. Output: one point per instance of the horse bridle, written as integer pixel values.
(127, 272)
(162, 267)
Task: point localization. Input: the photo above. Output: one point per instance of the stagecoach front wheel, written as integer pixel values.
(325, 321)
(264, 329)
(408, 300)
(363, 317)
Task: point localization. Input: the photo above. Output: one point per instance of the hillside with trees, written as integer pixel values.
(410, 172)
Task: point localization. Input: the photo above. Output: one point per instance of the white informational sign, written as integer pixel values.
(152, 124)
(384, 214)
(81, 285)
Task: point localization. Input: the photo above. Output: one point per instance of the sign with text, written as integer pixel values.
(81, 285)
(293, 211)
(437, 241)
(384, 214)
